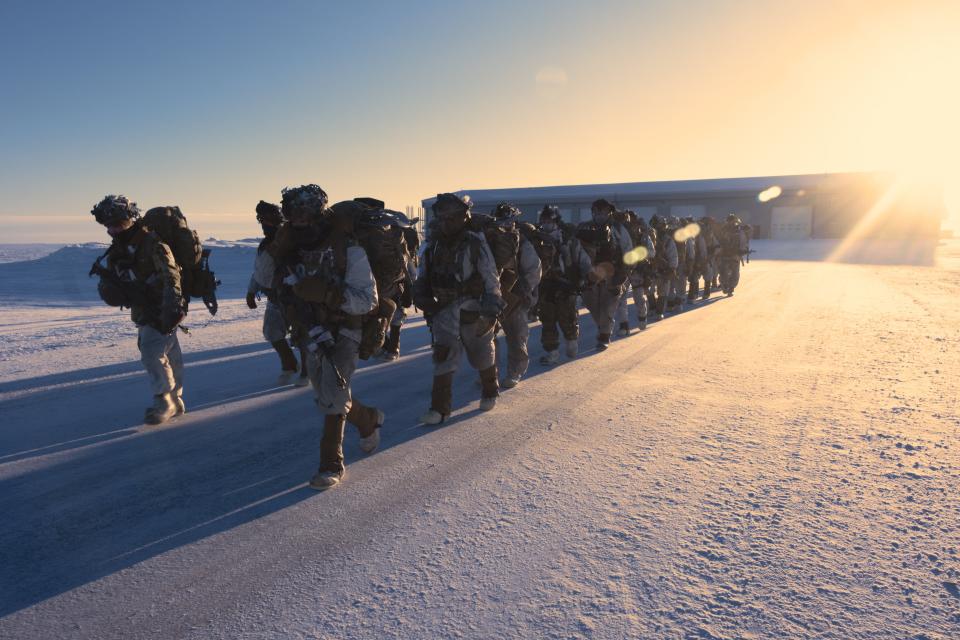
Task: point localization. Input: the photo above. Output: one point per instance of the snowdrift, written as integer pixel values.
(60, 278)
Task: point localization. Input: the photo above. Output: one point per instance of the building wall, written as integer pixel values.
(838, 203)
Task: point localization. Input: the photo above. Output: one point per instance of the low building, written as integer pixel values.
(826, 205)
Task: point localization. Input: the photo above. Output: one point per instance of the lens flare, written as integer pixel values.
(683, 234)
(769, 194)
(635, 255)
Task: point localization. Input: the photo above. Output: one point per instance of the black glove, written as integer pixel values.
(252, 299)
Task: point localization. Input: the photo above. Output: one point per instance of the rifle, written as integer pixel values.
(320, 340)
(134, 292)
(508, 280)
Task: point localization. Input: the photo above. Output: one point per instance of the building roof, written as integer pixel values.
(629, 191)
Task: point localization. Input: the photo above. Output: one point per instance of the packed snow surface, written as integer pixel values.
(782, 463)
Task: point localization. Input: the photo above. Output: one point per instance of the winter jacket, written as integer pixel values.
(146, 260)
(453, 270)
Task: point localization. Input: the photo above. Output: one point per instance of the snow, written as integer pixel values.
(782, 463)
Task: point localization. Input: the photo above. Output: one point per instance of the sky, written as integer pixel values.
(216, 105)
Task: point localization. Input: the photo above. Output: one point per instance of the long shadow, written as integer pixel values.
(130, 493)
(94, 374)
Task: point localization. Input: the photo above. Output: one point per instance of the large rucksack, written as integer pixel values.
(504, 245)
(386, 249)
(196, 278)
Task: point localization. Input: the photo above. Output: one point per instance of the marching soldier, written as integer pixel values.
(458, 290)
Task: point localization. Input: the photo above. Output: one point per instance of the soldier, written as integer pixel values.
(664, 264)
(696, 259)
(686, 251)
(142, 274)
(639, 277)
(385, 244)
(606, 242)
(563, 275)
(458, 290)
(391, 347)
(514, 320)
(711, 247)
(748, 236)
(263, 281)
(732, 248)
(328, 288)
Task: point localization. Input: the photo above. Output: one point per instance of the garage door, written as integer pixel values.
(791, 223)
(696, 211)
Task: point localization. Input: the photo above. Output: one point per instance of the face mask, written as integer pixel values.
(123, 235)
(601, 217)
(269, 231)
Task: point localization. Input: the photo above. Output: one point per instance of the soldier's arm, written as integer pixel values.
(530, 268)
(359, 286)
(487, 267)
(166, 268)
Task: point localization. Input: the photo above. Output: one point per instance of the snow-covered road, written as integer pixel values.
(783, 463)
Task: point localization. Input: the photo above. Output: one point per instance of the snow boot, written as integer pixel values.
(331, 454)
(603, 341)
(162, 410)
(370, 443)
(304, 378)
(624, 330)
(441, 400)
(573, 347)
(287, 377)
(323, 480)
(510, 382)
(550, 358)
(643, 323)
(179, 406)
(391, 346)
(490, 388)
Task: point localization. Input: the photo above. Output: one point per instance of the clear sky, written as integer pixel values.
(214, 105)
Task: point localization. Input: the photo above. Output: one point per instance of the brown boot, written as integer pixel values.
(488, 382)
(368, 421)
(441, 399)
(331, 454)
(288, 361)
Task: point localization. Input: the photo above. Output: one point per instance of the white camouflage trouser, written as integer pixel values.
(274, 324)
(601, 301)
(639, 300)
(163, 360)
(330, 398)
(516, 333)
(451, 337)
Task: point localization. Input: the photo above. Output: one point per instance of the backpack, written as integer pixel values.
(504, 244)
(543, 244)
(412, 238)
(197, 280)
(386, 249)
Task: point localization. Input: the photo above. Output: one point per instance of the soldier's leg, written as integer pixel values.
(332, 401)
(620, 316)
(640, 302)
(154, 349)
(734, 277)
(175, 356)
(445, 327)
(593, 300)
(549, 335)
(391, 347)
(516, 333)
(480, 355)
